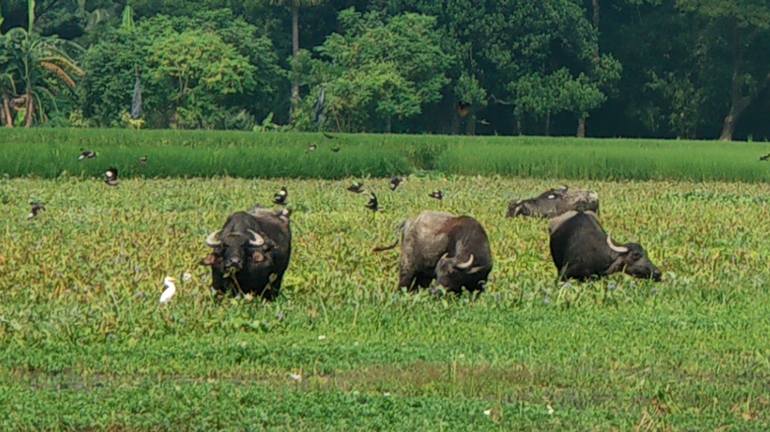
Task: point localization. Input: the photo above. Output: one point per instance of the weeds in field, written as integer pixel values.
(85, 345)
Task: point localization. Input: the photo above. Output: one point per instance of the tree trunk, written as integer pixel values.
(294, 52)
(470, 124)
(738, 102)
(548, 124)
(30, 110)
(595, 19)
(581, 129)
(7, 116)
(388, 124)
(455, 123)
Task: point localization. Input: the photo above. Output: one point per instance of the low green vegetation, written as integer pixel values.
(85, 345)
(50, 153)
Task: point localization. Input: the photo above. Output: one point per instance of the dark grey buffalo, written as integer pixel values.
(251, 252)
(581, 250)
(454, 250)
(554, 202)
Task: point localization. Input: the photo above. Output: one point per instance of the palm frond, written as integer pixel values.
(59, 73)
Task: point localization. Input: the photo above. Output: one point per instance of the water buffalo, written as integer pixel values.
(581, 250)
(251, 252)
(554, 202)
(454, 250)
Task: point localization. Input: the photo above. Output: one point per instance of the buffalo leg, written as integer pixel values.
(406, 279)
(423, 281)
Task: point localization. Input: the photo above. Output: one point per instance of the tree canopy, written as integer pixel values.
(648, 68)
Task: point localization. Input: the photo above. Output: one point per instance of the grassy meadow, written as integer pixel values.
(85, 345)
(51, 153)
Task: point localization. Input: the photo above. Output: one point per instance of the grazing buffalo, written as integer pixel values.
(581, 250)
(250, 253)
(454, 250)
(554, 202)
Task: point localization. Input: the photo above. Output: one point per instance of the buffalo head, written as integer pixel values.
(237, 251)
(554, 202)
(631, 258)
(456, 272)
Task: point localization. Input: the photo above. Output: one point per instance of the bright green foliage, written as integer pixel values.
(200, 72)
(201, 69)
(85, 345)
(379, 70)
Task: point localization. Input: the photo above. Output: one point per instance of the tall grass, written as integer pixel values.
(52, 152)
(609, 160)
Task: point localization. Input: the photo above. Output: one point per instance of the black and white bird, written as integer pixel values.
(395, 181)
(765, 158)
(281, 196)
(86, 154)
(437, 194)
(36, 209)
(143, 160)
(312, 147)
(111, 176)
(373, 204)
(356, 187)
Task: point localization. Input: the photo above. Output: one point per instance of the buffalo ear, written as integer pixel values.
(258, 257)
(209, 260)
(284, 214)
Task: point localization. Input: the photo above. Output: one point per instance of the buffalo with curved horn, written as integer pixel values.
(582, 250)
(454, 250)
(250, 253)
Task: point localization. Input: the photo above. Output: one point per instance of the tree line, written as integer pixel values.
(627, 68)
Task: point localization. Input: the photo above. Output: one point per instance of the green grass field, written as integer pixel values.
(84, 344)
(50, 153)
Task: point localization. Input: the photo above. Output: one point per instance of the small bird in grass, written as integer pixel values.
(395, 181)
(168, 293)
(765, 158)
(437, 194)
(111, 176)
(312, 147)
(36, 209)
(373, 204)
(327, 136)
(143, 160)
(281, 196)
(356, 187)
(86, 154)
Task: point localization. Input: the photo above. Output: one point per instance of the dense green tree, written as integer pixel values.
(740, 31)
(667, 68)
(210, 70)
(378, 70)
(34, 67)
(295, 6)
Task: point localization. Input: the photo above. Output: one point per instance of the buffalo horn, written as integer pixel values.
(213, 239)
(257, 239)
(618, 249)
(466, 265)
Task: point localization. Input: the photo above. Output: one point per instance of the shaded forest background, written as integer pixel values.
(621, 68)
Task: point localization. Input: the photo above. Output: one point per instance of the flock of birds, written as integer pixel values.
(282, 196)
